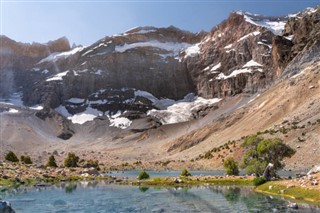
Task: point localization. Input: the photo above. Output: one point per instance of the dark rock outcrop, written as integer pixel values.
(281, 53)
(61, 124)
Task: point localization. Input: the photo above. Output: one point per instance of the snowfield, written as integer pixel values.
(182, 110)
(168, 46)
(274, 26)
(56, 56)
(58, 77)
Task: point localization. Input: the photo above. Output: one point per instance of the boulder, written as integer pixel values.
(90, 171)
(267, 172)
(177, 180)
(314, 170)
(293, 205)
(5, 207)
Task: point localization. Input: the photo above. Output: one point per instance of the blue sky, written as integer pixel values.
(84, 22)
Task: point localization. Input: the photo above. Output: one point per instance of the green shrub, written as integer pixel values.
(25, 159)
(185, 173)
(284, 130)
(259, 181)
(10, 156)
(52, 162)
(231, 166)
(95, 164)
(261, 151)
(72, 160)
(208, 155)
(143, 175)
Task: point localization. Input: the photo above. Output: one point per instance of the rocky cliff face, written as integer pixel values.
(235, 56)
(148, 68)
(17, 58)
(303, 29)
(143, 59)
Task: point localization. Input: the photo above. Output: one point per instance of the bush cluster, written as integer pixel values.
(25, 159)
(143, 175)
(10, 156)
(72, 160)
(185, 173)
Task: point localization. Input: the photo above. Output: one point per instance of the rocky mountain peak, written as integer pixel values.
(148, 68)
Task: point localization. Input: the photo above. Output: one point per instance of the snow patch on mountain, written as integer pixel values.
(56, 56)
(11, 110)
(255, 33)
(265, 44)
(80, 118)
(252, 63)
(228, 46)
(182, 110)
(174, 47)
(274, 26)
(58, 77)
(214, 68)
(119, 122)
(234, 73)
(193, 50)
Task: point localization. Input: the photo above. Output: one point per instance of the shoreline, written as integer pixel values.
(15, 175)
(296, 193)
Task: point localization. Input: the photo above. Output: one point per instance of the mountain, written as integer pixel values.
(160, 93)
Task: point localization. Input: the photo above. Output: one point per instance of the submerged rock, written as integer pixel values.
(5, 207)
(293, 206)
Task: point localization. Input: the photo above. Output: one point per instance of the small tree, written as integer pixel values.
(10, 156)
(143, 175)
(25, 159)
(92, 163)
(52, 162)
(231, 166)
(72, 160)
(185, 173)
(260, 152)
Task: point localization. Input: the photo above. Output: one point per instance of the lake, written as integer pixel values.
(132, 174)
(99, 197)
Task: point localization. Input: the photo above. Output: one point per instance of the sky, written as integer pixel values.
(84, 22)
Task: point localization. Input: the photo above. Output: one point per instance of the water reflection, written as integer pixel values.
(232, 195)
(102, 197)
(143, 189)
(70, 188)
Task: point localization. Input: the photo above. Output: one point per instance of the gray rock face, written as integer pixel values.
(17, 58)
(144, 58)
(304, 30)
(221, 68)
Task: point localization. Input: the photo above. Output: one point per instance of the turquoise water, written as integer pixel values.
(134, 174)
(98, 197)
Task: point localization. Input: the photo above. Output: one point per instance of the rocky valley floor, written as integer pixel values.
(288, 110)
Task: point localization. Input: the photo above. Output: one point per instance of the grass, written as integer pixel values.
(295, 192)
(189, 182)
